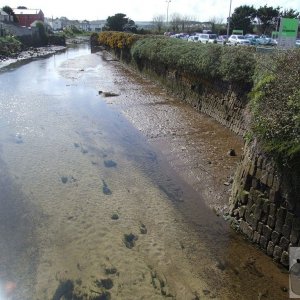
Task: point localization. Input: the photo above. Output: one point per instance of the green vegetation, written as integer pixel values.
(9, 46)
(275, 104)
(271, 82)
(73, 31)
(209, 61)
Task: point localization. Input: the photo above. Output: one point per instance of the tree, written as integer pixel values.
(158, 22)
(217, 25)
(119, 22)
(10, 12)
(42, 33)
(175, 22)
(242, 18)
(290, 13)
(267, 18)
(130, 26)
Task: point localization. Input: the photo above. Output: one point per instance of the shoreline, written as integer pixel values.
(31, 53)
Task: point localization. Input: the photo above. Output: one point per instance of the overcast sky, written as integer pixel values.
(141, 10)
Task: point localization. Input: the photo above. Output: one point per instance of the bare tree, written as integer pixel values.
(185, 22)
(175, 21)
(158, 21)
(217, 24)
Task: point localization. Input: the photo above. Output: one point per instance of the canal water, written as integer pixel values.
(90, 210)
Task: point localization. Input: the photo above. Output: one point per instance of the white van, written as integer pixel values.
(207, 38)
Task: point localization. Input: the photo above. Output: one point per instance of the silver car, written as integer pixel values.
(236, 39)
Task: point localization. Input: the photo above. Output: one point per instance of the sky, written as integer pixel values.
(141, 10)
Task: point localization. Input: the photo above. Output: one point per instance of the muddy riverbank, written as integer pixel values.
(120, 211)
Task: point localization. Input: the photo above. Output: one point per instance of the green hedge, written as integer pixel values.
(231, 64)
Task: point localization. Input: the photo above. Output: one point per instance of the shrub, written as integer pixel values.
(275, 104)
(9, 46)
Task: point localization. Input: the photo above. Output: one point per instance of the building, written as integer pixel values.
(4, 17)
(28, 16)
(97, 25)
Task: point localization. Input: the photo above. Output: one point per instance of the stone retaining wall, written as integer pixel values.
(265, 204)
(222, 101)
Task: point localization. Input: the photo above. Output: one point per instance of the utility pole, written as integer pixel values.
(229, 18)
(168, 2)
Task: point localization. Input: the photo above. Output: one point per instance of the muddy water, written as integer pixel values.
(92, 208)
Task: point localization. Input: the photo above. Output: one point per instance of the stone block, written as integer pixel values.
(263, 242)
(259, 227)
(264, 177)
(270, 180)
(285, 258)
(248, 216)
(258, 173)
(294, 237)
(276, 183)
(267, 231)
(279, 225)
(259, 162)
(274, 196)
(257, 213)
(244, 198)
(281, 213)
(252, 169)
(275, 236)
(289, 219)
(296, 224)
(273, 210)
(255, 183)
(284, 243)
(271, 221)
(242, 210)
(286, 231)
(270, 248)
(256, 237)
(277, 253)
(266, 207)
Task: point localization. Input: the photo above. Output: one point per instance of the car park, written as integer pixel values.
(207, 38)
(236, 39)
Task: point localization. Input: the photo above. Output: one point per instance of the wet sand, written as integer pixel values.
(119, 214)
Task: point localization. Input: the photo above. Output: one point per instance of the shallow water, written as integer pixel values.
(78, 182)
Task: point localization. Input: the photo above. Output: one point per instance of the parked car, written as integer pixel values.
(193, 38)
(207, 38)
(298, 43)
(222, 39)
(236, 39)
(252, 38)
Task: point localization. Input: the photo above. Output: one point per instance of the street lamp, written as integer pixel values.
(168, 2)
(228, 21)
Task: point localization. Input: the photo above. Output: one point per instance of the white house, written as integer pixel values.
(4, 17)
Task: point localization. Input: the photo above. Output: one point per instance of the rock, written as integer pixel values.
(64, 179)
(108, 94)
(110, 163)
(105, 189)
(129, 240)
(115, 217)
(231, 152)
(143, 229)
(106, 283)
